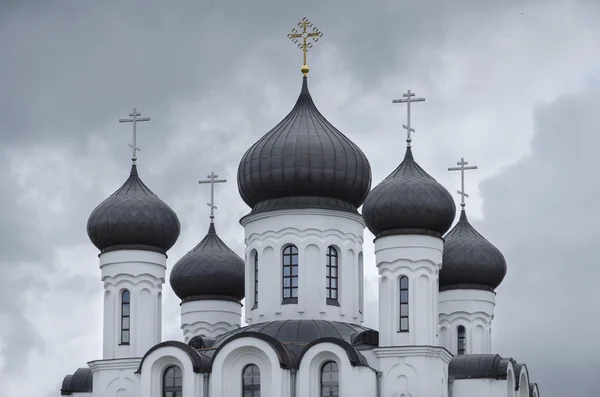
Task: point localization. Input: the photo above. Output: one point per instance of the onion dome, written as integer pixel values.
(304, 162)
(409, 201)
(133, 218)
(210, 271)
(470, 261)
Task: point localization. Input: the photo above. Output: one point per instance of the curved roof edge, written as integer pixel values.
(479, 366)
(519, 369)
(199, 362)
(534, 387)
(354, 356)
(81, 381)
(286, 357)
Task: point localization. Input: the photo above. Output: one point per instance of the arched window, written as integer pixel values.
(330, 380)
(172, 382)
(462, 340)
(290, 274)
(256, 279)
(251, 381)
(331, 273)
(403, 304)
(125, 317)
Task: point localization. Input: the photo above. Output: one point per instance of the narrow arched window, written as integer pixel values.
(331, 273)
(290, 274)
(403, 304)
(462, 340)
(172, 382)
(256, 279)
(125, 317)
(251, 381)
(330, 380)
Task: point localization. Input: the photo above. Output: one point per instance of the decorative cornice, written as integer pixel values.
(413, 351)
(301, 211)
(117, 363)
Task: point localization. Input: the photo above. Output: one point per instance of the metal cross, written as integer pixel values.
(305, 45)
(408, 99)
(462, 170)
(134, 119)
(212, 179)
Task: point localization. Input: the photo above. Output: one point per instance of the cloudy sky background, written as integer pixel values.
(512, 86)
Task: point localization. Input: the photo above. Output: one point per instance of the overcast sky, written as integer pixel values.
(511, 86)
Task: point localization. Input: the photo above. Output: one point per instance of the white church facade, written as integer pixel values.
(302, 283)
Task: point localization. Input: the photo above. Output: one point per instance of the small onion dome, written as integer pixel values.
(133, 218)
(409, 201)
(304, 162)
(470, 261)
(210, 271)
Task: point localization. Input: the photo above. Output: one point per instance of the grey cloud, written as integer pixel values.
(541, 212)
(69, 71)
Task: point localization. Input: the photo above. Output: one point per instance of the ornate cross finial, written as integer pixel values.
(134, 119)
(462, 170)
(305, 45)
(212, 179)
(408, 99)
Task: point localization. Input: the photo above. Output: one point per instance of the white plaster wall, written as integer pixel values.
(230, 361)
(209, 318)
(473, 309)
(472, 388)
(414, 371)
(115, 377)
(158, 361)
(354, 381)
(311, 231)
(419, 258)
(143, 274)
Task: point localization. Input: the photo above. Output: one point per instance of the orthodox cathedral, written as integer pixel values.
(302, 283)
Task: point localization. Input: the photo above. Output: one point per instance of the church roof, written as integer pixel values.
(479, 366)
(304, 162)
(209, 271)
(470, 261)
(409, 201)
(290, 339)
(81, 381)
(133, 217)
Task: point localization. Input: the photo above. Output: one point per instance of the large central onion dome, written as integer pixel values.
(470, 261)
(133, 218)
(409, 201)
(209, 271)
(304, 162)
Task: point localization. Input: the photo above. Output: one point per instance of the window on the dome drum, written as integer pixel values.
(251, 381)
(172, 382)
(331, 282)
(256, 279)
(403, 304)
(290, 273)
(330, 380)
(462, 339)
(125, 317)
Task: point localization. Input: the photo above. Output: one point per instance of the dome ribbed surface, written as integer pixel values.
(133, 218)
(304, 162)
(409, 201)
(470, 261)
(209, 271)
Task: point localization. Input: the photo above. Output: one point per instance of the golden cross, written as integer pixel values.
(305, 36)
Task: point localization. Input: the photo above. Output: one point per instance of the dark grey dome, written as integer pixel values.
(133, 218)
(304, 162)
(210, 271)
(409, 201)
(470, 261)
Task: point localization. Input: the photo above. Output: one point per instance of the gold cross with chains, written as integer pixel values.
(304, 24)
